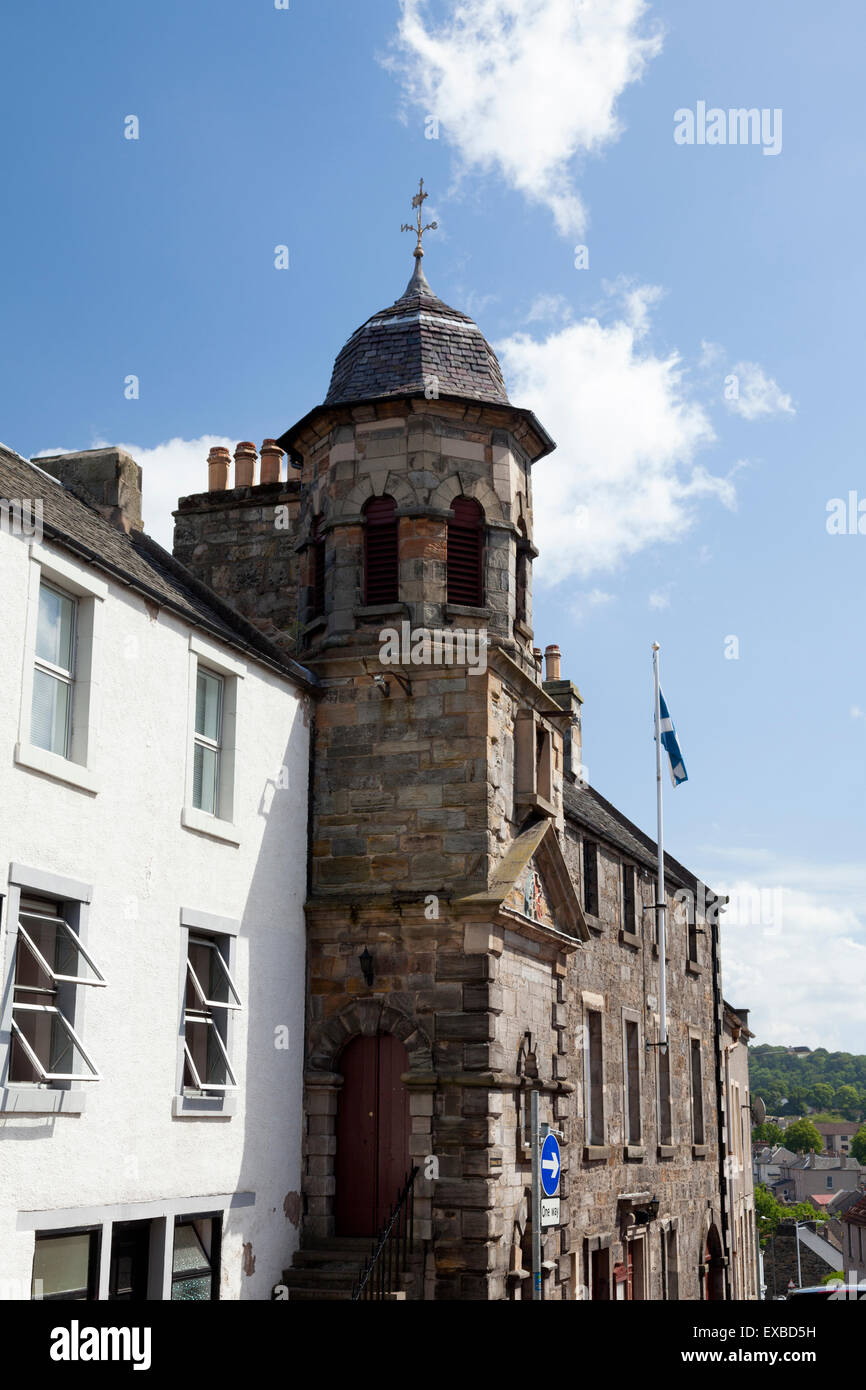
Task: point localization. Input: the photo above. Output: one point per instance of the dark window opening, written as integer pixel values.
(521, 607)
(632, 1056)
(130, 1257)
(693, 941)
(381, 568)
(665, 1117)
(318, 568)
(600, 1276)
(590, 877)
(697, 1093)
(595, 1079)
(465, 550)
(627, 901)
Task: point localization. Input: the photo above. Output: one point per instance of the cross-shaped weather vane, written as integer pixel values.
(418, 202)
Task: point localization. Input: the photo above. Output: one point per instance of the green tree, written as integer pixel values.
(768, 1212)
(802, 1136)
(848, 1101)
(768, 1133)
(858, 1145)
(821, 1095)
(803, 1211)
(796, 1100)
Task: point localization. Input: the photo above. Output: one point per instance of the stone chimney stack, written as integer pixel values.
(108, 479)
(569, 698)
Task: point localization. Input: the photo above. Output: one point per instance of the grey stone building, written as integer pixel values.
(481, 924)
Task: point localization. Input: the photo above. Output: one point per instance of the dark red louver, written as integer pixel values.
(318, 567)
(381, 569)
(465, 549)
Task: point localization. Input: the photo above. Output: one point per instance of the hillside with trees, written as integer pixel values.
(821, 1084)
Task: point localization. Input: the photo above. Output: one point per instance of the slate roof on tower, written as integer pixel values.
(399, 350)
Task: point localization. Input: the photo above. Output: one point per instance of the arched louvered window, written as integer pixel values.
(465, 550)
(381, 580)
(317, 576)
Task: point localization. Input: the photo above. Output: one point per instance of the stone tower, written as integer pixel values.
(440, 914)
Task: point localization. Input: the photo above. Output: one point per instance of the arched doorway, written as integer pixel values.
(715, 1277)
(372, 1157)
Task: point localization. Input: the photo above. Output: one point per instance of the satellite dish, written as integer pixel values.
(759, 1110)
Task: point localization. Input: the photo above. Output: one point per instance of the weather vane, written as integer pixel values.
(418, 202)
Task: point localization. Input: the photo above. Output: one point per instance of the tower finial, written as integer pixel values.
(418, 202)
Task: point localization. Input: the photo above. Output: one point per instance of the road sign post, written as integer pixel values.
(546, 1168)
(535, 1142)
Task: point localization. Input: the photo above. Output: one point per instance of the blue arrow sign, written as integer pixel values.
(550, 1166)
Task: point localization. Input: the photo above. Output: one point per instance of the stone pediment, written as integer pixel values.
(530, 889)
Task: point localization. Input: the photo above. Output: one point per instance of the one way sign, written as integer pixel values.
(550, 1166)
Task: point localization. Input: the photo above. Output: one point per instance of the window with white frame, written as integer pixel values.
(61, 670)
(211, 996)
(54, 673)
(50, 966)
(214, 695)
(207, 747)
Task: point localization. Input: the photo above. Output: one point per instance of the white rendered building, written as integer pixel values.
(153, 845)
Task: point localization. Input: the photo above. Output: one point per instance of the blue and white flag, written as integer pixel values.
(670, 745)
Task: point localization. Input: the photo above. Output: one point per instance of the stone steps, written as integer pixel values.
(327, 1268)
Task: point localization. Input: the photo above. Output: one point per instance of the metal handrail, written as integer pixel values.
(388, 1259)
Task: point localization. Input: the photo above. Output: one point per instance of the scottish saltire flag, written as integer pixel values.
(670, 745)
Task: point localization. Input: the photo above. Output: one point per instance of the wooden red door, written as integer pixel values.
(372, 1133)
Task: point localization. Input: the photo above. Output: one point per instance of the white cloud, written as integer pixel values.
(659, 599)
(758, 394)
(549, 308)
(857, 712)
(170, 471)
(798, 961)
(624, 475)
(583, 603)
(793, 944)
(522, 87)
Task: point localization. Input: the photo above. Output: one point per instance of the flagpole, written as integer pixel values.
(660, 892)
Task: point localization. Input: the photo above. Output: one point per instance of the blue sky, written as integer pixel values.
(668, 512)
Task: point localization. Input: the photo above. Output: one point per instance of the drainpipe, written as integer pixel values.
(718, 1015)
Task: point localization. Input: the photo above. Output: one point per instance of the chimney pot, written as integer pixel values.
(245, 463)
(552, 658)
(272, 461)
(218, 463)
